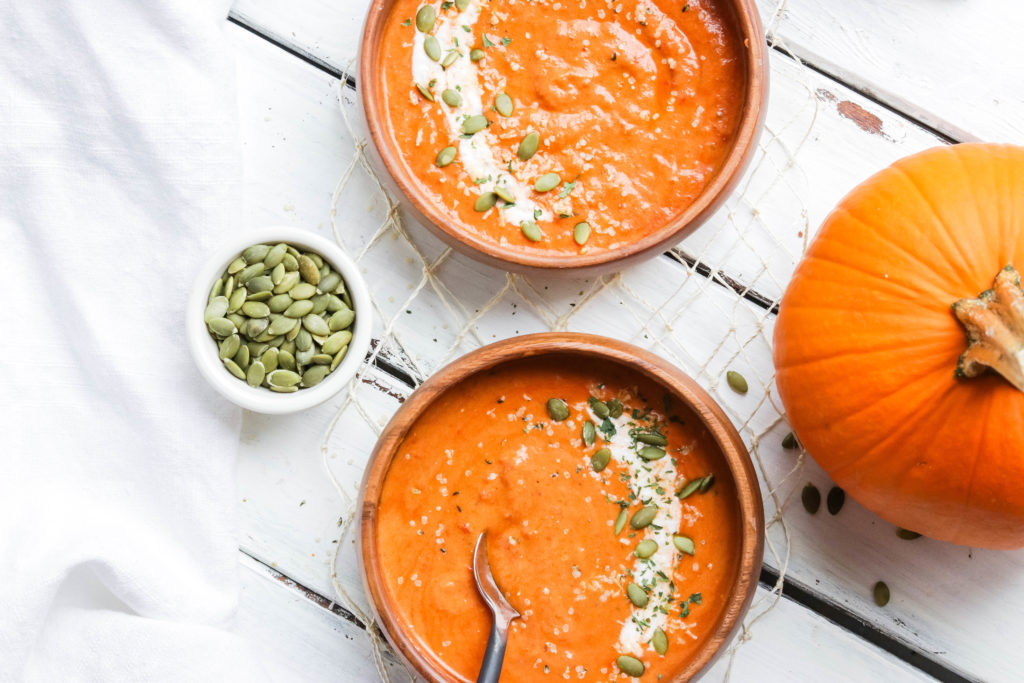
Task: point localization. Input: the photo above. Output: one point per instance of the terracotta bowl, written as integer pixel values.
(571, 346)
(748, 26)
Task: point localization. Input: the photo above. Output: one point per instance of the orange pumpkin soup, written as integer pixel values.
(562, 126)
(565, 518)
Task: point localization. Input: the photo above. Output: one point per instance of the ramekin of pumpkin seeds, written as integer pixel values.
(281, 322)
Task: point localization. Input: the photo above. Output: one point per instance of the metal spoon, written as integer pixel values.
(504, 613)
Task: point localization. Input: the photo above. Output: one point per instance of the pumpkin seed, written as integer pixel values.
(338, 357)
(811, 498)
(282, 390)
(233, 368)
(558, 409)
(216, 289)
(236, 300)
(476, 54)
(282, 325)
(599, 407)
(684, 544)
(316, 325)
(425, 18)
(528, 146)
(341, 319)
(620, 521)
(504, 194)
(589, 433)
(229, 286)
(330, 282)
(279, 303)
(453, 98)
(474, 124)
(651, 453)
(277, 274)
(907, 534)
(255, 374)
(303, 290)
(321, 359)
(660, 641)
(643, 517)
(249, 272)
(736, 381)
(256, 349)
(242, 357)
(445, 157)
(600, 459)
(303, 358)
(450, 58)
(462, 5)
(237, 319)
(215, 309)
(652, 439)
(283, 378)
(690, 488)
(254, 327)
(256, 253)
(275, 256)
(299, 309)
(309, 271)
(291, 262)
(286, 360)
(259, 296)
(637, 595)
(631, 666)
(531, 231)
(288, 282)
(485, 202)
(503, 103)
(255, 309)
(645, 548)
(614, 408)
(303, 340)
(269, 359)
(547, 182)
(316, 258)
(881, 594)
(260, 283)
(222, 327)
(315, 375)
(236, 266)
(229, 347)
(336, 341)
(706, 483)
(427, 95)
(790, 441)
(835, 499)
(581, 233)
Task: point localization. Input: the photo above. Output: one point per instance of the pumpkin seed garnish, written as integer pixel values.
(450, 58)
(462, 5)
(547, 182)
(881, 594)
(599, 407)
(445, 157)
(558, 409)
(706, 483)
(690, 488)
(589, 433)
(637, 595)
(474, 124)
(427, 95)
(432, 47)
(736, 381)
(504, 194)
(503, 103)
(233, 368)
(620, 521)
(581, 233)
(453, 98)
(255, 374)
(476, 54)
(631, 666)
(684, 544)
(652, 438)
(811, 498)
(528, 146)
(425, 18)
(531, 231)
(485, 202)
(651, 453)
(643, 517)
(835, 499)
(614, 408)
(660, 641)
(790, 442)
(907, 534)
(600, 459)
(645, 548)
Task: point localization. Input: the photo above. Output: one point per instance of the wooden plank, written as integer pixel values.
(295, 149)
(957, 66)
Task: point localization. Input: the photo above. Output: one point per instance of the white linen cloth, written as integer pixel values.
(120, 167)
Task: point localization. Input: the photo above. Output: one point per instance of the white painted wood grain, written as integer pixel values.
(956, 65)
(296, 148)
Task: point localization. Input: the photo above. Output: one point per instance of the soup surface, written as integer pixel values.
(488, 456)
(634, 104)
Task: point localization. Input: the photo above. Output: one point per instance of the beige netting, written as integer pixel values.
(707, 311)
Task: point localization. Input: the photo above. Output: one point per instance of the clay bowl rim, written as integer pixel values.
(744, 143)
(711, 415)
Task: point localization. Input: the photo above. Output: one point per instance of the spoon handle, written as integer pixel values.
(494, 655)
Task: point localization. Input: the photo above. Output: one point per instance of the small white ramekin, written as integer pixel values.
(205, 349)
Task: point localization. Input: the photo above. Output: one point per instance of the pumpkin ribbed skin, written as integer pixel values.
(866, 346)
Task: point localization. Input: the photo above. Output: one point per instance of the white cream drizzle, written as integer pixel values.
(477, 153)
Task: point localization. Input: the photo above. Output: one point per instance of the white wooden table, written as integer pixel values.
(855, 85)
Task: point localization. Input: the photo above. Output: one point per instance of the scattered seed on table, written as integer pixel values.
(811, 498)
(881, 594)
(835, 499)
(736, 381)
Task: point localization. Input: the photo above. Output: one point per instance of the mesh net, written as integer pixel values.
(707, 306)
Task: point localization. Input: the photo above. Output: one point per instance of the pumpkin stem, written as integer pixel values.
(995, 330)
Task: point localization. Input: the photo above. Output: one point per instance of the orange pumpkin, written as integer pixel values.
(917, 415)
